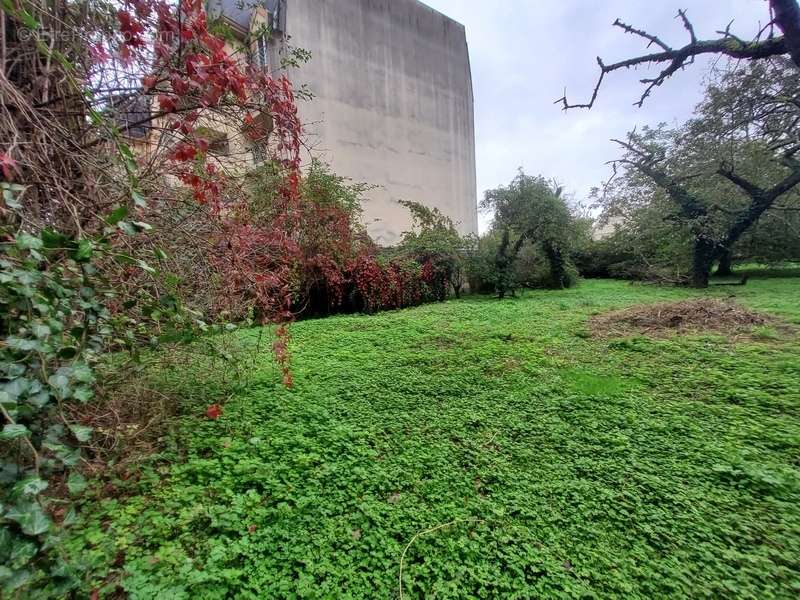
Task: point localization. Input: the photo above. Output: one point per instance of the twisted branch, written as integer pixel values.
(676, 59)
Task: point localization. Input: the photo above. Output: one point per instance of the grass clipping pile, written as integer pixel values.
(669, 318)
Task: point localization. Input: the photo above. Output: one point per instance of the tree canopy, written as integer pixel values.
(530, 209)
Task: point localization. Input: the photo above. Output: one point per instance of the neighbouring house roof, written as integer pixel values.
(239, 11)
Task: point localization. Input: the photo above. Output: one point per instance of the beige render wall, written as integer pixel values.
(393, 105)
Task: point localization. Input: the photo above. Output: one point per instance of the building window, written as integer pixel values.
(276, 16)
(259, 152)
(261, 58)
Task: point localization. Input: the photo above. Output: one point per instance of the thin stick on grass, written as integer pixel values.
(426, 531)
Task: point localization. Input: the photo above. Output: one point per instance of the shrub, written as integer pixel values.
(531, 210)
(434, 243)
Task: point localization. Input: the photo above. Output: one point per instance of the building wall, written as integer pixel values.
(392, 105)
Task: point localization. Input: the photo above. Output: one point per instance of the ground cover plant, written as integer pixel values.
(126, 224)
(494, 448)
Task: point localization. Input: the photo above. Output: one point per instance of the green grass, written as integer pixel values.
(566, 467)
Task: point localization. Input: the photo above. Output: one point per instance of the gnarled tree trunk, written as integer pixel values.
(703, 257)
(504, 263)
(558, 265)
(725, 266)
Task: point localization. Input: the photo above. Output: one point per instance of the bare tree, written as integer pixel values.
(785, 14)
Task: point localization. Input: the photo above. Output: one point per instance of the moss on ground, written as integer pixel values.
(567, 466)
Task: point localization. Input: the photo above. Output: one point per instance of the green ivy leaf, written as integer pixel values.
(12, 431)
(39, 400)
(68, 456)
(138, 198)
(60, 383)
(83, 394)
(126, 228)
(13, 579)
(30, 486)
(6, 400)
(10, 191)
(26, 241)
(40, 330)
(71, 517)
(76, 483)
(116, 215)
(22, 344)
(22, 552)
(53, 239)
(81, 432)
(145, 267)
(6, 541)
(30, 516)
(82, 373)
(12, 369)
(84, 251)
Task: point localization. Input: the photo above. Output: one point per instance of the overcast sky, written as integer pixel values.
(524, 52)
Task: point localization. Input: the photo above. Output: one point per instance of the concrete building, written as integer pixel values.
(392, 98)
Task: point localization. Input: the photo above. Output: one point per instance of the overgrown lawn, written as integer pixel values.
(495, 448)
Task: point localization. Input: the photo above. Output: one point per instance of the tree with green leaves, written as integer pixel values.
(777, 43)
(530, 209)
(724, 169)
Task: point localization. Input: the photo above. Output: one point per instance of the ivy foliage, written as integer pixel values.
(58, 333)
(54, 325)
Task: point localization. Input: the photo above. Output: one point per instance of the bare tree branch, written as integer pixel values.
(641, 33)
(676, 59)
(688, 25)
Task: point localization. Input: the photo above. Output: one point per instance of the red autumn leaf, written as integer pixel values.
(288, 380)
(179, 85)
(167, 103)
(99, 53)
(149, 82)
(183, 152)
(162, 50)
(214, 411)
(130, 28)
(214, 43)
(8, 165)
